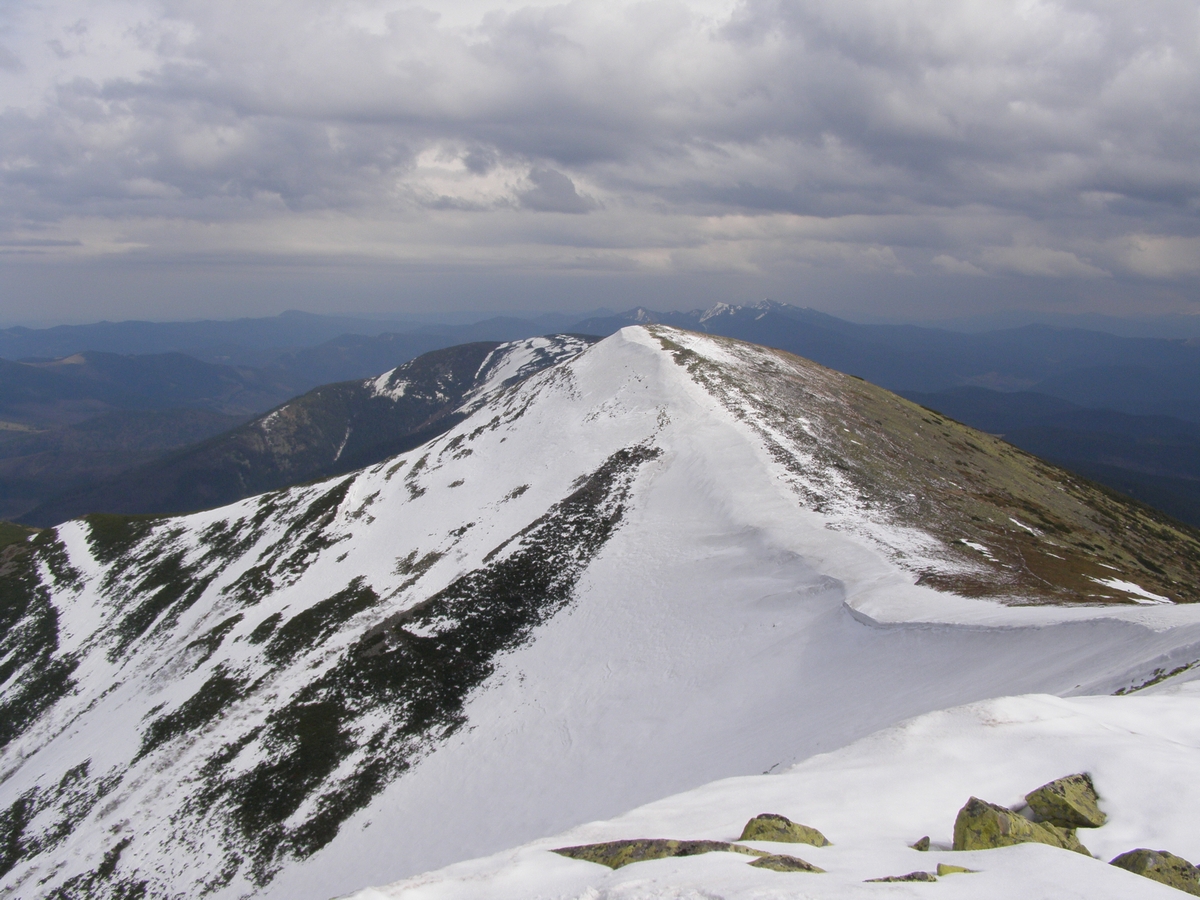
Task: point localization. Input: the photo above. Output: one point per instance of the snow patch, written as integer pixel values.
(1140, 594)
(979, 548)
(383, 386)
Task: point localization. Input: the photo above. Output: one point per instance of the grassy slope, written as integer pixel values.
(13, 534)
(912, 467)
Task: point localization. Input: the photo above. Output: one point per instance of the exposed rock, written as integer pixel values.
(1067, 838)
(779, 862)
(911, 876)
(922, 844)
(616, 854)
(1069, 802)
(1163, 867)
(773, 827)
(945, 869)
(981, 826)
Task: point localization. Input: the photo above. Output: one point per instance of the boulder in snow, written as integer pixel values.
(774, 827)
(1069, 802)
(1163, 867)
(616, 854)
(911, 876)
(781, 862)
(947, 869)
(981, 826)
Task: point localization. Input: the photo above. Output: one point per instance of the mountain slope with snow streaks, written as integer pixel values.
(630, 573)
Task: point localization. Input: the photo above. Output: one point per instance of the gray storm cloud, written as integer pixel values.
(1052, 140)
(553, 192)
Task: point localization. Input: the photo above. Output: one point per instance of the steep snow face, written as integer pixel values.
(517, 360)
(877, 796)
(624, 576)
(508, 363)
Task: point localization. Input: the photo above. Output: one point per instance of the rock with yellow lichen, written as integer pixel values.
(947, 869)
(616, 854)
(981, 826)
(774, 827)
(780, 862)
(1069, 802)
(1163, 867)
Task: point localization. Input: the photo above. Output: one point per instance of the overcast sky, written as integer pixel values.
(888, 158)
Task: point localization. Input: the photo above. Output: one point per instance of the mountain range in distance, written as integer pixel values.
(1141, 376)
(332, 429)
(1153, 458)
(626, 570)
(1117, 410)
(271, 342)
(72, 423)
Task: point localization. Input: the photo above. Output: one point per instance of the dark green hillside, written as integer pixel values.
(11, 533)
(36, 466)
(45, 393)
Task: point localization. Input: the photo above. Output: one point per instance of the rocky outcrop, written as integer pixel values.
(922, 844)
(1069, 802)
(779, 862)
(1163, 867)
(616, 854)
(774, 827)
(911, 876)
(981, 826)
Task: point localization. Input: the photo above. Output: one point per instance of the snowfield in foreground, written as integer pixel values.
(667, 560)
(877, 796)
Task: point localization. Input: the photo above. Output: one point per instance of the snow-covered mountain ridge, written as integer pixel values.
(659, 562)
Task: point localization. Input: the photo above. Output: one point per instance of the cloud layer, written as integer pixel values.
(954, 140)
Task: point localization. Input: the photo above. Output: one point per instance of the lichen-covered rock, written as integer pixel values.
(981, 826)
(911, 876)
(1067, 839)
(1161, 866)
(946, 869)
(773, 827)
(616, 854)
(922, 844)
(1069, 802)
(780, 862)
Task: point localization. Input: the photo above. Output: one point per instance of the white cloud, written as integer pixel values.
(552, 191)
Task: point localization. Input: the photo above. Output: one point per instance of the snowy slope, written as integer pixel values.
(667, 560)
(877, 796)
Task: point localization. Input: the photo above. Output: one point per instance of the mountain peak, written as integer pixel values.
(588, 591)
(719, 309)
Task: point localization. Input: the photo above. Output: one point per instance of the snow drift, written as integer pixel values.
(879, 795)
